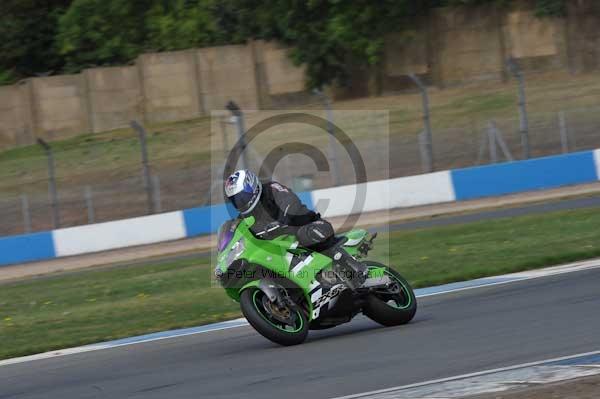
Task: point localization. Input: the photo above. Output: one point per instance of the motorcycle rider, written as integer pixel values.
(277, 210)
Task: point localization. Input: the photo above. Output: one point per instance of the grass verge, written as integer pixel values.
(98, 305)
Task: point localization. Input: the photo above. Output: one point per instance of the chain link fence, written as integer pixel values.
(102, 177)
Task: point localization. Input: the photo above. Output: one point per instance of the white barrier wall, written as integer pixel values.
(434, 188)
(119, 234)
(597, 162)
(385, 194)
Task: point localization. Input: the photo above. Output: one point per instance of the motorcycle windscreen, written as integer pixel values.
(225, 235)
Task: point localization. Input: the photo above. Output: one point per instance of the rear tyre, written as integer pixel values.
(392, 307)
(283, 326)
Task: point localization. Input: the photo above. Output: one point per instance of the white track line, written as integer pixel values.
(115, 344)
(464, 376)
(479, 283)
(516, 277)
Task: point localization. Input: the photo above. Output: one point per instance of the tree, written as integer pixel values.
(27, 29)
(327, 35)
(543, 7)
(183, 24)
(112, 32)
(555, 8)
(102, 32)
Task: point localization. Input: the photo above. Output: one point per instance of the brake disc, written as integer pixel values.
(282, 314)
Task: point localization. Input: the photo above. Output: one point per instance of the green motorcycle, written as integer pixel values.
(284, 290)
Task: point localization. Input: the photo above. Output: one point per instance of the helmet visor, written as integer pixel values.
(243, 200)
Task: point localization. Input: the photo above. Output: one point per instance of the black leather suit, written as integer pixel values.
(280, 204)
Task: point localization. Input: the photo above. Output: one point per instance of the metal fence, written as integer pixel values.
(138, 171)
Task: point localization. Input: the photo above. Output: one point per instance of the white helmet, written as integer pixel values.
(243, 189)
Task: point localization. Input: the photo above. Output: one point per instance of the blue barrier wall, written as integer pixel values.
(469, 183)
(514, 177)
(206, 220)
(307, 199)
(26, 248)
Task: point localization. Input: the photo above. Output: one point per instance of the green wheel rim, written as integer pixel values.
(260, 311)
(405, 291)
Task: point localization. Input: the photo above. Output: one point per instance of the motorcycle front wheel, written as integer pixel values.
(284, 326)
(393, 306)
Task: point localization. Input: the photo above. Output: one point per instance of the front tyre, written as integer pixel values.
(283, 326)
(393, 306)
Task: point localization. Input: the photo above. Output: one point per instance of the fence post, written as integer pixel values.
(427, 140)
(145, 165)
(53, 192)
(523, 118)
(481, 152)
(493, 139)
(89, 203)
(333, 158)
(26, 213)
(157, 199)
(425, 160)
(564, 132)
(501, 142)
(238, 116)
(224, 134)
(492, 143)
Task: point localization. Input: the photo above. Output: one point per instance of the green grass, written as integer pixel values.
(483, 105)
(91, 306)
(463, 252)
(107, 156)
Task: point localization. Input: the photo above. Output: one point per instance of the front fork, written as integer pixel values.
(278, 295)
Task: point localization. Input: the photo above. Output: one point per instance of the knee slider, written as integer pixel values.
(315, 233)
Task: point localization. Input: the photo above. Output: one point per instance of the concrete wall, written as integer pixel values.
(406, 53)
(227, 73)
(467, 45)
(115, 97)
(583, 35)
(60, 106)
(536, 43)
(529, 36)
(282, 76)
(460, 45)
(452, 46)
(170, 86)
(280, 82)
(15, 129)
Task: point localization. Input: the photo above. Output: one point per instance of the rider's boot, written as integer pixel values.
(352, 271)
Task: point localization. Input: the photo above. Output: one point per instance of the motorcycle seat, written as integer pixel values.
(339, 241)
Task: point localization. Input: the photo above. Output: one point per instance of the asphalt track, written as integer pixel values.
(452, 334)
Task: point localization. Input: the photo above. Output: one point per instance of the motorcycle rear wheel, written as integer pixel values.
(258, 310)
(391, 309)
